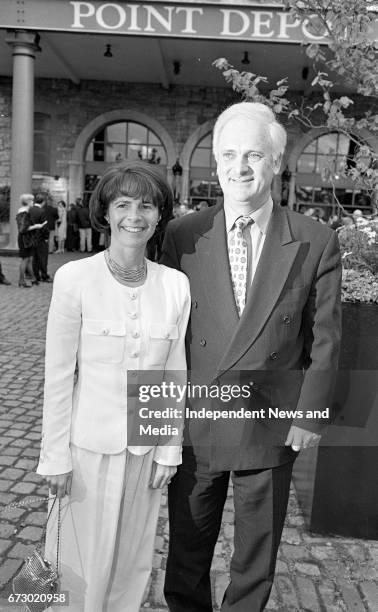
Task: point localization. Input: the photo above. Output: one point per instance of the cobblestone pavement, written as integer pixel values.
(314, 573)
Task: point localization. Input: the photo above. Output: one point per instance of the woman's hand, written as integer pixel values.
(60, 485)
(161, 475)
(36, 226)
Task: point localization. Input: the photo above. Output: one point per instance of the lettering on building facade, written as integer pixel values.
(207, 21)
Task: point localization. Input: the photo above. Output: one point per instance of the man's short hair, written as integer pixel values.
(26, 197)
(40, 198)
(252, 110)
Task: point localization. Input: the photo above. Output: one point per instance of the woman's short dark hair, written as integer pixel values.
(136, 179)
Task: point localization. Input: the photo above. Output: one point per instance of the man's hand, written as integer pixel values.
(161, 475)
(60, 484)
(299, 438)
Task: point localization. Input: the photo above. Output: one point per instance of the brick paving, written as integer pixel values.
(314, 573)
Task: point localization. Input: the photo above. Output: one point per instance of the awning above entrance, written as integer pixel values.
(171, 43)
(168, 61)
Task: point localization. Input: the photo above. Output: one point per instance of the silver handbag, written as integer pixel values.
(37, 577)
(37, 580)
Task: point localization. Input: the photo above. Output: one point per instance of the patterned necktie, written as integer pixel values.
(238, 261)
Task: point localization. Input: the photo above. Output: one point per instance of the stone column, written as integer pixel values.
(24, 45)
(185, 187)
(76, 180)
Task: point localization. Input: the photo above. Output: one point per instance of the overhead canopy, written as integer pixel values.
(167, 43)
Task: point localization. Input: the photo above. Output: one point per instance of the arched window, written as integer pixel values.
(118, 142)
(319, 180)
(42, 143)
(203, 179)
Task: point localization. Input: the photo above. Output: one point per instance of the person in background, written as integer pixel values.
(319, 215)
(335, 222)
(357, 216)
(27, 240)
(116, 314)
(308, 212)
(52, 217)
(202, 205)
(61, 226)
(72, 240)
(85, 229)
(41, 249)
(3, 279)
(347, 221)
(181, 210)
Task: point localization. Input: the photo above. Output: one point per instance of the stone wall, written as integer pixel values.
(180, 110)
(5, 130)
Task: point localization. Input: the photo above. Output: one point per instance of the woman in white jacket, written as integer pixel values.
(61, 226)
(114, 315)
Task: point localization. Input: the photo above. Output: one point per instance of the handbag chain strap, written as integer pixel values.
(58, 535)
(25, 502)
(33, 500)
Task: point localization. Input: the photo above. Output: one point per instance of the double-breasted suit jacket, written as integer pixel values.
(286, 343)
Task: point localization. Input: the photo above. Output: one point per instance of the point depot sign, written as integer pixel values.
(199, 21)
(252, 22)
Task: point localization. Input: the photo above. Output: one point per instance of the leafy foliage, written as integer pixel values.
(349, 27)
(359, 245)
(352, 58)
(359, 286)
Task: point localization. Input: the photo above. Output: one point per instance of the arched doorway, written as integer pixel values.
(203, 180)
(317, 165)
(200, 181)
(113, 137)
(118, 142)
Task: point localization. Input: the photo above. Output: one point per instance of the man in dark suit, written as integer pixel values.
(41, 250)
(265, 285)
(52, 217)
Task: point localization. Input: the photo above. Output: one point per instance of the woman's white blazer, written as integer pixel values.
(98, 324)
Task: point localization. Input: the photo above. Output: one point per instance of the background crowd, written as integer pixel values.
(46, 227)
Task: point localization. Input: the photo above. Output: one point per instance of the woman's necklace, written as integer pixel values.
(125, 275)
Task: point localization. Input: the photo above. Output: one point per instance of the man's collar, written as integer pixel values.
(36, 204)
(260, 216)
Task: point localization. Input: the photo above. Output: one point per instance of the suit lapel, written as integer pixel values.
(276, 260)
(212, 257)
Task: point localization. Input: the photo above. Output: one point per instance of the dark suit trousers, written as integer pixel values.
(40, 257)
(196, 500)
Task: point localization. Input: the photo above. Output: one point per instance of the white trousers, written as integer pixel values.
(85, 238)
(108, 527)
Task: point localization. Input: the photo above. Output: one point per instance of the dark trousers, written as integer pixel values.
(40, 257)
(196, 499)
(72, 240)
